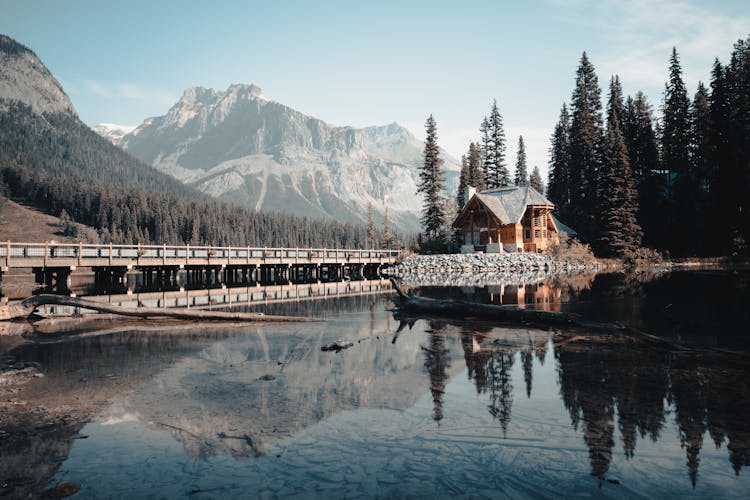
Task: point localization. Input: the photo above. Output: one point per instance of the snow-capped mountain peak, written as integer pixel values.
(113, 132)
(244, 148)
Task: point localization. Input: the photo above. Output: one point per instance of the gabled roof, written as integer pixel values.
(508, 204)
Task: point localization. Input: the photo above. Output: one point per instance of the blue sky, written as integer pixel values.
(373, 62)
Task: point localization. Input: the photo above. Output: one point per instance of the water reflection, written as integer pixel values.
(520, 402)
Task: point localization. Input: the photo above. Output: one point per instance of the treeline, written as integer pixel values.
(137, 216)
(679, 183)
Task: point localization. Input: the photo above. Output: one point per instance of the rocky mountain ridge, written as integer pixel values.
(23, 77)
(244, 148)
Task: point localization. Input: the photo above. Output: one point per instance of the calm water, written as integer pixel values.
(419, 408)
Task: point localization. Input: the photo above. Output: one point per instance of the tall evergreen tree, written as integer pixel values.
(700, 174)
(723, 181)
(522, 174)
(558, 183)
(620, 233)
(643, 152)
(675, 140)
(736, 169)
(371, 232)
(463, 183)
(586, 135)
(388, 237)
(535, 180)
(476, 174)
(431, 184)
(675, 150)
(486, 151)
(498, 172)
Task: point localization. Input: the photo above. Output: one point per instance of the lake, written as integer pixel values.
(416, 407)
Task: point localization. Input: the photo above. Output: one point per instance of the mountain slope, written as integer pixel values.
(242, 147)
(39, 129)
(23, 77)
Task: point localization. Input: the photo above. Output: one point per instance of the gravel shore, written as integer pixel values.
(500, 264)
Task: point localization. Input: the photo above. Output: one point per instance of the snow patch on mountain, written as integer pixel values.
(244, 148)
(113, 132)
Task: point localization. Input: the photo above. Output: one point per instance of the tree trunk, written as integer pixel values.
(27, 307)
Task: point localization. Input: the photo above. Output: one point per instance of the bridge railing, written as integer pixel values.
(44, 254)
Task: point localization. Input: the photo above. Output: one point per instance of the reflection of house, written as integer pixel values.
(541, 296)
(511, 219)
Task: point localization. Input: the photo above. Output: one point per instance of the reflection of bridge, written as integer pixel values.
(239, 295)
(52, 263)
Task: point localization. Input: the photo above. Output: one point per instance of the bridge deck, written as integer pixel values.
(133, 256)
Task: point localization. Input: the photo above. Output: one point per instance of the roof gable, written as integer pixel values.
(509, 204)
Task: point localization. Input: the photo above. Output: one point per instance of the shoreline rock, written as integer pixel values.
(420, 265)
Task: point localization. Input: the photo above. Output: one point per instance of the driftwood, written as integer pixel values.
(460, 309)
(26, 308)
(337, 346)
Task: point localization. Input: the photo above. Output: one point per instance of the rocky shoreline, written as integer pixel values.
(499, 264)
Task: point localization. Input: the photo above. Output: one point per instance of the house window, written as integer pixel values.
(537, 233)
(536, 221)
(527, 234)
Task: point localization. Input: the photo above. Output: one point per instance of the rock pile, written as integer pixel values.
(443, 264)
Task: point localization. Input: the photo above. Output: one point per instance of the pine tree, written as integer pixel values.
(476, 174)
(620, 233)
(522, 175)
(486, 151)
(388, 237)
(723, 181)
(371, 233)
(676, 128)
(700, 173)
(67, 226)
(431, 184)
(463, 183)
(558, 183)
(643, 153)
(499, 176)
(730, 114)
(536, 181)
(586, 139)
(675, 149)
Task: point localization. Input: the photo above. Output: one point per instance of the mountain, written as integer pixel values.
(113, 132)
(24, 78)
(244, 148)
(40, 130)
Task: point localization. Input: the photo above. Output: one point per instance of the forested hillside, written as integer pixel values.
(53, 161)
(139, 216)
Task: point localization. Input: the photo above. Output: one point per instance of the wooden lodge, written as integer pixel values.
(508, 219)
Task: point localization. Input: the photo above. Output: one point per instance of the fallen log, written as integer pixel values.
(27, 307)
(460, 309)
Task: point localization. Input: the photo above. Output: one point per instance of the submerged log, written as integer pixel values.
(27, 307)
(460, 309)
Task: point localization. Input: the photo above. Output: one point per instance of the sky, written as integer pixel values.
(371, 62)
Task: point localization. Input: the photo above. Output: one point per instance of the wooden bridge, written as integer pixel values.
(52, 263)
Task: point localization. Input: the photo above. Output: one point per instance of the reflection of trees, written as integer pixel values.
(437, 362)
(500, 386)
(635, 378)
(584, 380)
(527, 360)
(490, 364)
